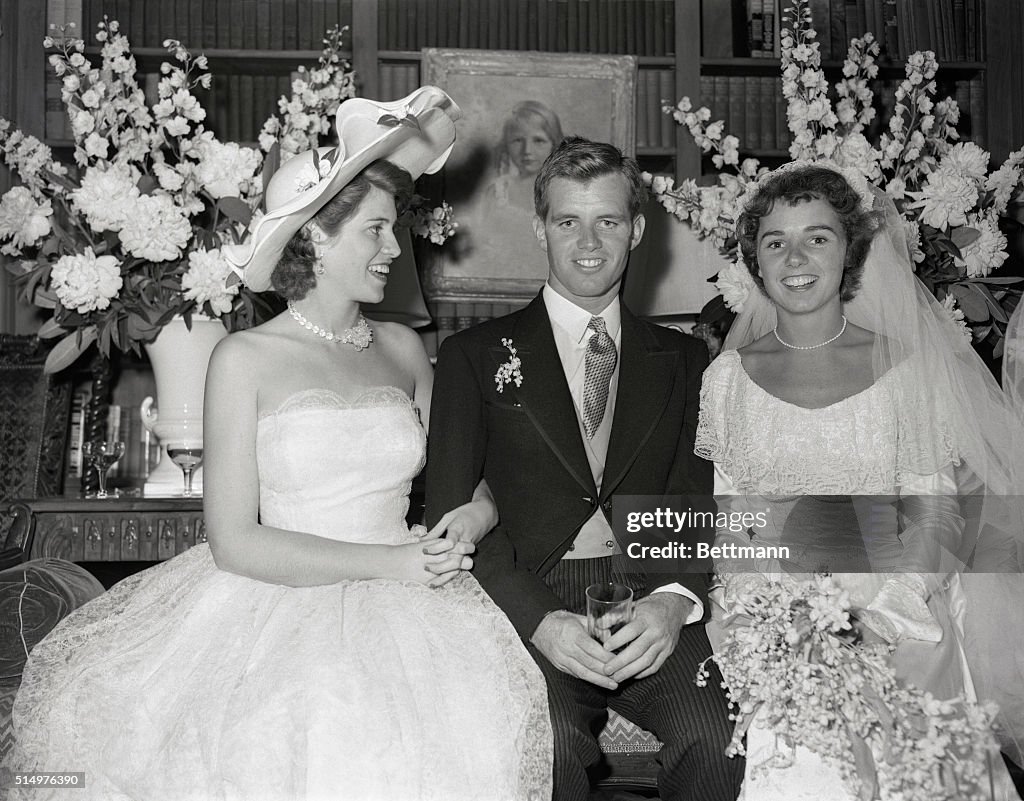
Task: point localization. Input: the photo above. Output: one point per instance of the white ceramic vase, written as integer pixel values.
(179, 357)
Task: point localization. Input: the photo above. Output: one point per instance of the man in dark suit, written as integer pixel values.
(559, 406)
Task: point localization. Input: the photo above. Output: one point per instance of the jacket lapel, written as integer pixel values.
(646, 378)
(544, 394)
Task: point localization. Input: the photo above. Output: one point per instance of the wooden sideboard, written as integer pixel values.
(114, 529)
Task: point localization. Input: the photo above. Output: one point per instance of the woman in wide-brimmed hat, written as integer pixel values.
(317, 648)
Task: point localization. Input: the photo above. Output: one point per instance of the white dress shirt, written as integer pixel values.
(569, 325)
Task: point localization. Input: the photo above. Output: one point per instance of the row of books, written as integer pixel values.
(640, 27)
(452, 317)
(953, 29)
(655, 129)
(222, 24)
(637, 27)
(752, 107)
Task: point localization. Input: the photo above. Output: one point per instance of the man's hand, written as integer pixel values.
(467, 523)
(650, 638)
(562, 638)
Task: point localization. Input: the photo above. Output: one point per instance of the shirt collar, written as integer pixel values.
(574, 320)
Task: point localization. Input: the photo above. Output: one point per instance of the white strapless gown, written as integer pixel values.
(188, 682)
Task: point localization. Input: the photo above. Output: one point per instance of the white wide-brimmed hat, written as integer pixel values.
(416, 133)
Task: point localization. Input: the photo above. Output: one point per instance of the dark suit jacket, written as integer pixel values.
(526, 442)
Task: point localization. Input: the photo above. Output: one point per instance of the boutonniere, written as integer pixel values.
(509, 372)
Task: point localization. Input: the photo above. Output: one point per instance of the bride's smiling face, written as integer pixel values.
(801, 250)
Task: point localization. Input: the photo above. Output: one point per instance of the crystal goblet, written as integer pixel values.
(188, 458)
(102, 455)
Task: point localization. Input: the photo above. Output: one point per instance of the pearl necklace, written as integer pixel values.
(810, 347)
(358, 336)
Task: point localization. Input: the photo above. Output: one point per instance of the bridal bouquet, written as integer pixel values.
(952, 205)
(130, 236)
(790, 658)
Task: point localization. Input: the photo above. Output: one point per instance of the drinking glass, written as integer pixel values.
(102, 455)
(609, 608)
(188, 458)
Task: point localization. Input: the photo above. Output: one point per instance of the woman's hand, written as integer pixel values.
(431, 561)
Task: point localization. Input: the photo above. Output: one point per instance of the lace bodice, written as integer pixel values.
(340, 468)
(867, 443)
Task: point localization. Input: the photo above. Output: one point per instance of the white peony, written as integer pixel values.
(205, 279)
(157, 230)
(23, 219)
(967, 158)
(987, 252)
(945, 198)
(225, 167)
(86, 282)
(735, 285)
(107, 196)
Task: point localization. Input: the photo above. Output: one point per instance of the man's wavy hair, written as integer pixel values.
(579, 159)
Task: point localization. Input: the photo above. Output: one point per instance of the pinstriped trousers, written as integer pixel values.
(691, 721)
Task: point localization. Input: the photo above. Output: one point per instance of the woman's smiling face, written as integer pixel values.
(801, 251)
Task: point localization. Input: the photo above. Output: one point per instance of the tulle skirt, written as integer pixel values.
(188, 682)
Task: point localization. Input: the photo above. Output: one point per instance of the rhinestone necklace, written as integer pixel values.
(810, 347)
(358, 336)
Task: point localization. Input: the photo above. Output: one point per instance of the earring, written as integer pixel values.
(320, 269)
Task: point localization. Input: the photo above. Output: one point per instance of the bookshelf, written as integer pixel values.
(698, 48)
(976, 43)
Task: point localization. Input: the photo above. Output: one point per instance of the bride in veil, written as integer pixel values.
(842, 379)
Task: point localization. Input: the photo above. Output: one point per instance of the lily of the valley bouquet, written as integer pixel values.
(951, 203)
(130, 236)
(790, 659)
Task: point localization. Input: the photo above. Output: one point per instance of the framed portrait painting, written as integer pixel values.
(516, 107)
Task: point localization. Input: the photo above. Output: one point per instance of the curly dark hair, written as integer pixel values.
(800, 186)
(579, 159)
(294, 276)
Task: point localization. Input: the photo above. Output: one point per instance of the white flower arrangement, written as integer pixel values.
(951, 203)
(793, 661)
(130, 237)
(150, 186)
(509, 372)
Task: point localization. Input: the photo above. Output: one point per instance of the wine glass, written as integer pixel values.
(102, 455)
(188, 456)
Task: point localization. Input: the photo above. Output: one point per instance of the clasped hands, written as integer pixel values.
(645, 643)
(438, 556)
